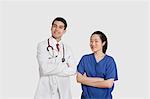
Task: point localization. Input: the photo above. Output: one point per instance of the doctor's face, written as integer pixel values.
(96, 43)
(57, 29)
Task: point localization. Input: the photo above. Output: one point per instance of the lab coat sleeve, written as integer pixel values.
(70, 69)
(48, 66)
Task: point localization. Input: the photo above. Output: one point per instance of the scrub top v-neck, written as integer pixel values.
(105, 68)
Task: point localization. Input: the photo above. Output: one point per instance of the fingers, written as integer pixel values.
(84, 74)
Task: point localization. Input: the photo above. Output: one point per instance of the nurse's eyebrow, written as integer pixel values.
(54, 24)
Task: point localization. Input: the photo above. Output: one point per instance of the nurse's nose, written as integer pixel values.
(93, 43)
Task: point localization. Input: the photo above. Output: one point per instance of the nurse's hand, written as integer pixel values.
(81, 78)
(92, 79)
(84, 75)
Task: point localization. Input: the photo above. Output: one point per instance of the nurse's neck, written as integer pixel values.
(99, 54)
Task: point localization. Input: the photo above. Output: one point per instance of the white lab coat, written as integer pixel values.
(54, 80)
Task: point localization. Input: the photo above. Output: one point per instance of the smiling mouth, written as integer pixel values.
(56, 33)
(93, 47)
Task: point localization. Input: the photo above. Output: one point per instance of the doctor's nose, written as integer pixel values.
(56, 28)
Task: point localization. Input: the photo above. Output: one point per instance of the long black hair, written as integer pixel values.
(103, 39)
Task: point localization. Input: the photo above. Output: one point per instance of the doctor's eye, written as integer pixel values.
(61, 27)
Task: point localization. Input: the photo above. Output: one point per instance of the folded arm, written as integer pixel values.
(49, 66)
(94, 81)
(54, 66)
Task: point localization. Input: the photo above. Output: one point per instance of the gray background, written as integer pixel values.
(24, 24)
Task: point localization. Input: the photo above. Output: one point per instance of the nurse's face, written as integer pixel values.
(96, 43)
(57, 29)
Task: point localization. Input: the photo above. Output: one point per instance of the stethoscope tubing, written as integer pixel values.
(63, 59)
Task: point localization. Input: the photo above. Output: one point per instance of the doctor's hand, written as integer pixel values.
(68, 65)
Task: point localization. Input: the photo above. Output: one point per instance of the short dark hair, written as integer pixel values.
(103, 39)
(62, 20)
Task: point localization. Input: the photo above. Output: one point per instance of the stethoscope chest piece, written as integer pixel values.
(63, 59)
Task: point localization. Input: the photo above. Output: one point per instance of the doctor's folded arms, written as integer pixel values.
(97, 71)
(56, 64)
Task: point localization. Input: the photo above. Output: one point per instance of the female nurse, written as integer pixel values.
(97, 71)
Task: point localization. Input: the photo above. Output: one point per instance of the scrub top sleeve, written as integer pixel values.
(80, 66)
(111, 70)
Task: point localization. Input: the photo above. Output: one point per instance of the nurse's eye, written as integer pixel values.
(91, 42)
(54, 25)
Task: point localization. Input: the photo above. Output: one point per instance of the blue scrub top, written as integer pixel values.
(105, 68)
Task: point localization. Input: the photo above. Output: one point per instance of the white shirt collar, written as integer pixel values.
(53, 42)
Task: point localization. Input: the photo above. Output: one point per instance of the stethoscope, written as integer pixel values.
(54, 52)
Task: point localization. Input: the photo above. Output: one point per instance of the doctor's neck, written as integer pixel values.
(57, 39)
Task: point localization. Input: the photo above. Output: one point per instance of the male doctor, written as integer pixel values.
(56, 64)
